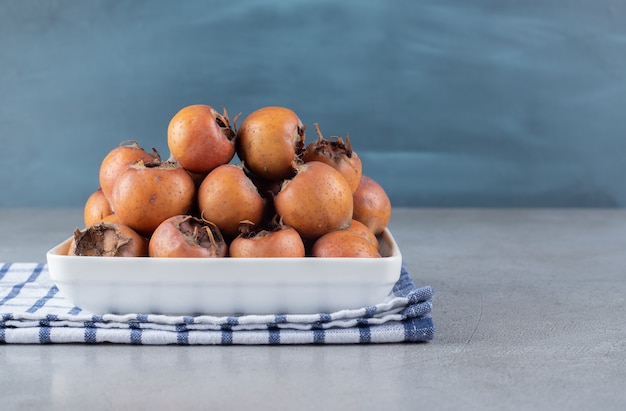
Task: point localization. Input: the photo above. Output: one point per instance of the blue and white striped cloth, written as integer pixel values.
(33, 312)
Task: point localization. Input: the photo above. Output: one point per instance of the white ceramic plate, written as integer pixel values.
(224, 286)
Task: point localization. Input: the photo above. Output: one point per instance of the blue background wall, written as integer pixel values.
(449, 103)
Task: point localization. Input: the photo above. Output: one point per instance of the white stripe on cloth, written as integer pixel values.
(32, 312)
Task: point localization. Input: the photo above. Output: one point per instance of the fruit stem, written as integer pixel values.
(320, 137)
(156, 159)
(223, 123)
(235, 123)
(211, 237)
(246, 227)
(348, 145)
(131, 143)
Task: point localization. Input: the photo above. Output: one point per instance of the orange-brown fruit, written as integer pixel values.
(372, 206)
(117, 161)
(283, 241)
(108, 240)
(270, 141)
(337, 154)
(227, 197)
(361, 229)
(97, 208)
(148, 194)
(200, 138)
(185, 236)
(112, 218)
(316, 201)
(343, 243)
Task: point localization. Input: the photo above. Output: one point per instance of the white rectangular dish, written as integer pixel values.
(224, 286)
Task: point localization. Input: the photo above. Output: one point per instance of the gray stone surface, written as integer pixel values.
(529, 309)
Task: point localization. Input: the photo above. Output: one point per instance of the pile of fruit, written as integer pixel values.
(283, 199)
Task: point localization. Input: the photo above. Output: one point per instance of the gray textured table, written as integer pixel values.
(530, 312)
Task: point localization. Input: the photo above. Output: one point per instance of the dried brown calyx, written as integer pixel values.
(336, 149)
(201, 232)
(108, 240)
(223, 122)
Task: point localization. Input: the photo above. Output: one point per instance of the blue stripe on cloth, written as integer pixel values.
(44, 332)
(74, 311)
(420, 294)
(142, 318)
(417, 310)
(319, 335)
(227, 337)
(18, 287)
(182, 336)
(325, 317)
(418, 329)
(273, 337)
(227, 330)
(4, 269)
(278, 319)
(5, 317)
(135, 336)
(135, 332)
(370, 311)
(365, 335)
(90, 332)
(42, 301)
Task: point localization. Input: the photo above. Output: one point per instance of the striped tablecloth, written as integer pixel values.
(32, 311)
